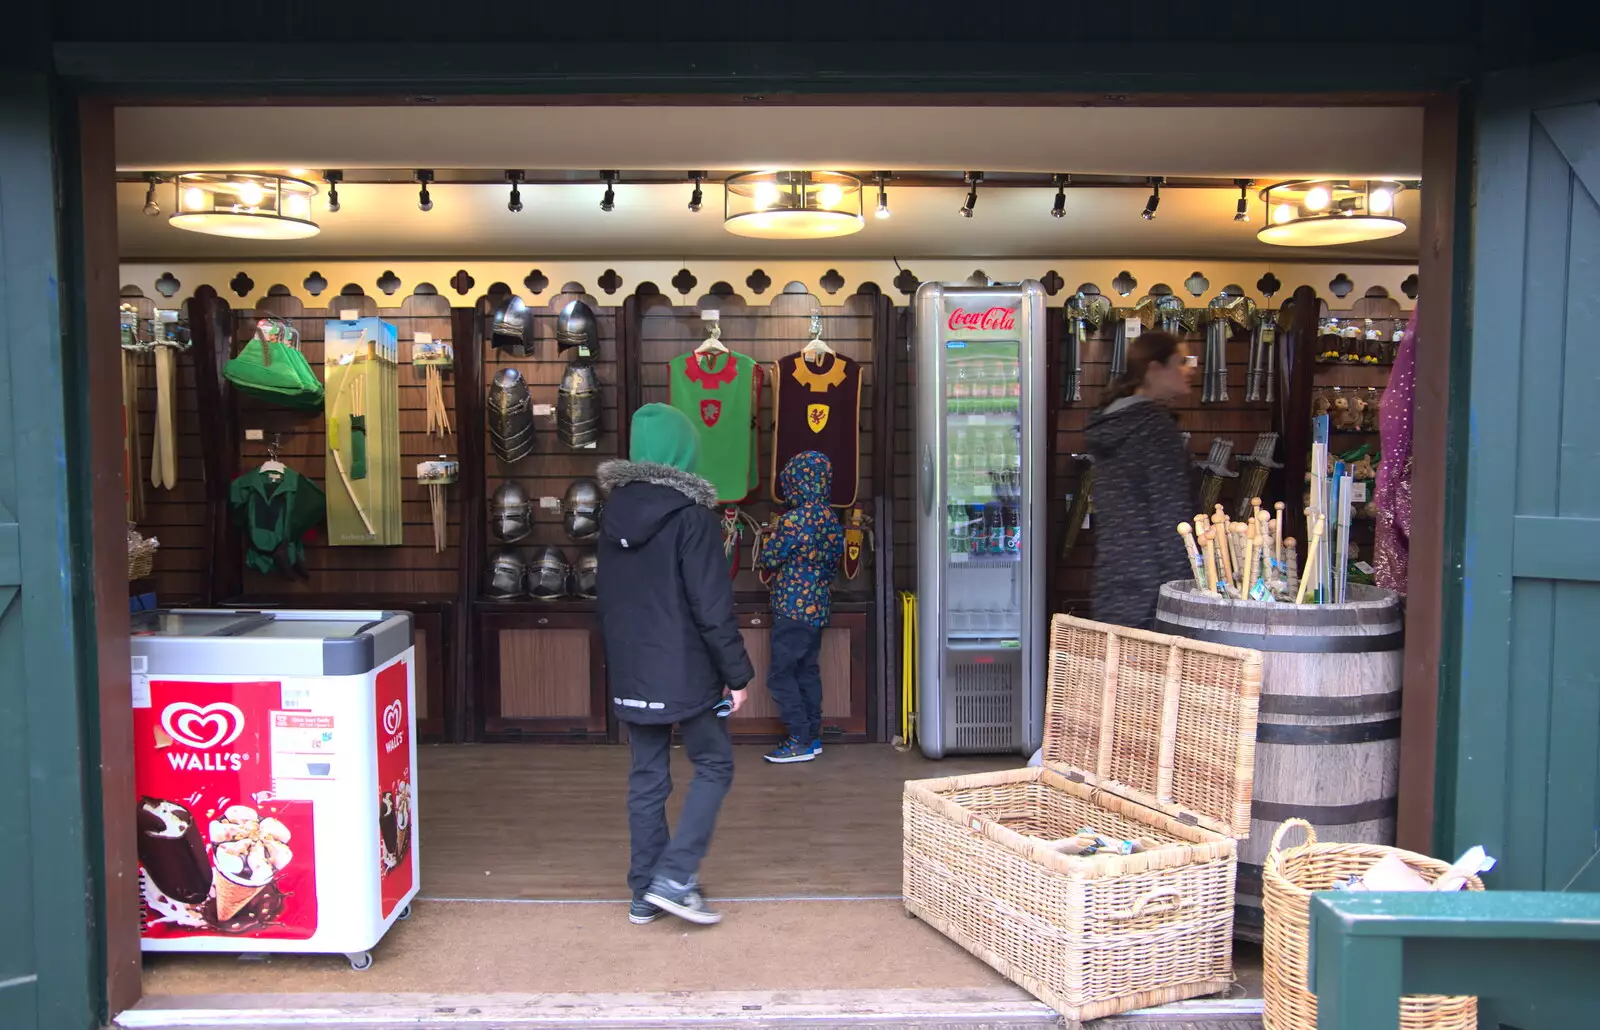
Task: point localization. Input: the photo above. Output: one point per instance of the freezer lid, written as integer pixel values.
(209, 642)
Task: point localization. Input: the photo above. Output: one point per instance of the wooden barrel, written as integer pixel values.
(1328, 737)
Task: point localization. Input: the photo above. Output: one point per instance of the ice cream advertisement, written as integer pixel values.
(219, 853)
(395, 823)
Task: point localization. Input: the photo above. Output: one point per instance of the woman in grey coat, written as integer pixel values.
(1143, 482)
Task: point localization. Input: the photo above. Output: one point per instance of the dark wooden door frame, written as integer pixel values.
(106, 75)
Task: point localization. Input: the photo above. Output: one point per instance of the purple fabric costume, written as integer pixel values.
(1394, 469)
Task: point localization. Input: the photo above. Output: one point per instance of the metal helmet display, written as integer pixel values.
(547, 573)
(503, 581)
(509, 413)
(511, 327)
(510, 512)
(576, 327)
(584, 575)
(581, 508)
(578, 404)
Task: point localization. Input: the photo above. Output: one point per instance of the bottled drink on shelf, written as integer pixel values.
(1011, 516)
(977, 544)
(960, 387)
(957, 514)
(994, 528)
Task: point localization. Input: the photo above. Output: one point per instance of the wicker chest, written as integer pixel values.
(1146, 736)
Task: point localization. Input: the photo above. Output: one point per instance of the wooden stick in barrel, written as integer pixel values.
(1278, 529)
(1187, 532)
(1291, 568)
(1313, 567)
(1264, 521)
(1219, 530)
(1246, 578)
(1211, 563)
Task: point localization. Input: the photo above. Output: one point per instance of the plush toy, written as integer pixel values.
(1355, 411)
(1319, 405)
(1363, 469)
(1341, 412)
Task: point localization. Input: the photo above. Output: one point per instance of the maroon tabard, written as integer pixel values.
(817, 407)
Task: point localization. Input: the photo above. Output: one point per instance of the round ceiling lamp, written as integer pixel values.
(1328, 212)
(244, 205)
(792, 205)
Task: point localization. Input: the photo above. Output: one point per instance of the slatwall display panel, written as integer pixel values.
(413, 568)
(1233, 419)
(175, 517)
(906, 502)
(551, 467)
(768, 334)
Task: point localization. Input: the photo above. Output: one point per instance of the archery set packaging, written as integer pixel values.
(361, 358)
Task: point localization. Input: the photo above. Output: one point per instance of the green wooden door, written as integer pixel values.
(1527, 757)
(46, 882)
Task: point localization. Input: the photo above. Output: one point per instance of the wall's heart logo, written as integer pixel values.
(392, 717)
(215, 725)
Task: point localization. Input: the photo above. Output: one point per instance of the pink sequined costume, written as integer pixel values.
(1394, 469)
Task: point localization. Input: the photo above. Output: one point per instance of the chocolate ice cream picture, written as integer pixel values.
(402, 819)
(249, 852)
(389, 829)
(171, 851)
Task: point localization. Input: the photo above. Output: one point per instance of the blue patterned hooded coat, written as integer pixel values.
(805, 549)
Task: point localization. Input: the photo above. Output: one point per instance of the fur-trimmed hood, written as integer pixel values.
(620, 473)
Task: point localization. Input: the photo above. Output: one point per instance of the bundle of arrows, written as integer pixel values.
(1247, 560)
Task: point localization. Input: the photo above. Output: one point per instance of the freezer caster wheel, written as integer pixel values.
(405, 913)
(360, 961)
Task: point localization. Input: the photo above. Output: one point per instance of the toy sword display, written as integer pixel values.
(1215, 469)
(1083, 310)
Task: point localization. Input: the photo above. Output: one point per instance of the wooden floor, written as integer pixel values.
(549, 822)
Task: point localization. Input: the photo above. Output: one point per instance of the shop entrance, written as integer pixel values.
(520, 787)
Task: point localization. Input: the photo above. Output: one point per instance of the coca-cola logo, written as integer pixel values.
(392, 717)
(215, 725)
(992, 320)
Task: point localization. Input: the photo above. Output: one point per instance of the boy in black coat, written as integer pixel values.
(673, 652)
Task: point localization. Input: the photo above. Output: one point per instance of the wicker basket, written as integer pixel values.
(1290, 877)
(1146, 735)
(141, 557)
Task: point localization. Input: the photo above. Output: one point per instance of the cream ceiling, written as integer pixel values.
(652, 221)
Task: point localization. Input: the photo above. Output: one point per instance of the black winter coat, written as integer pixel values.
(1143, 487)
(665, 598)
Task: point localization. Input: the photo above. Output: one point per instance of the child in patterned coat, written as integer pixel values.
(803, 553)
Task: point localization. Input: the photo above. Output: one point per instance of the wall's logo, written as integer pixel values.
(392, 718)
(215, 725)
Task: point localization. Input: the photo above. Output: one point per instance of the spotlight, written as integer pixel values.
(333, 179)
(698, 197)
(1318, 197)
(1059, 208)
(1241, 211)
(883, 196)
(424, 200)
(1381, 202)
(151, 208)
(514, 205)
(974, 179)
(1149, 213)
(608, 202)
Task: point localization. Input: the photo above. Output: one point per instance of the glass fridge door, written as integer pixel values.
(983, 500)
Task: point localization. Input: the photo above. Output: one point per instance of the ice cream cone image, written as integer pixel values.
(248, 853)
(231, 897)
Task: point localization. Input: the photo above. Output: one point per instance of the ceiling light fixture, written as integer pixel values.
(608, 203)
(1329, 212)
(792, 205)
(1059, 208)
(883, 196)
(1241, 211)
(424, 198)
(514, 177)
(1149, 212)
(151, 208)
(974, 180)
(333, 179)
(697, 199)
(243, 205)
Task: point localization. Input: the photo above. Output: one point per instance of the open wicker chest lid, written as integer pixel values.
(1165, 721)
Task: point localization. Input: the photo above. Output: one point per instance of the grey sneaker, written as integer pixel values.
(682, 900)
(641, 912)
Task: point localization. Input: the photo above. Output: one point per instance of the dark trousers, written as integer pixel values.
(795, 679)
(656, 850)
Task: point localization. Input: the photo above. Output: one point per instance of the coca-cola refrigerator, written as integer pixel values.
(981, 453)
(274, 755)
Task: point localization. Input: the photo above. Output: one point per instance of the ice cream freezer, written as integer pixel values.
(277, 801)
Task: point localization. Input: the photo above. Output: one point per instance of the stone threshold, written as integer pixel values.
(993, 1009)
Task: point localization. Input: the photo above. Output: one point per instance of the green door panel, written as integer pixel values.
(1527, 761)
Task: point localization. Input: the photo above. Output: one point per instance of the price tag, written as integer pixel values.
(550, 503)
(1358, 491)
(349, 314)
(1132, 328)
(1365, 568)
(544, 410)
(421, 337)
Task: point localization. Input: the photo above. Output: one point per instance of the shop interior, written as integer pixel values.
(432, 218)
